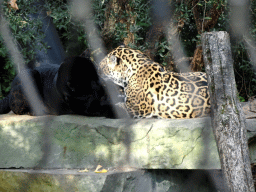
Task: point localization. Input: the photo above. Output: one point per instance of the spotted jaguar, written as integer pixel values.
(150, 91)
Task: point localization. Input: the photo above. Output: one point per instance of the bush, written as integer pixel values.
(74, 40)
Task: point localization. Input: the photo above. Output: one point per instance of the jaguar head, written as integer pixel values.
(113, 68)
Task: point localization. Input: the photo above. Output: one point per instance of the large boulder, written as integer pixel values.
(71, 141)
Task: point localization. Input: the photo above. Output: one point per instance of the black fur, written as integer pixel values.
(71, 88)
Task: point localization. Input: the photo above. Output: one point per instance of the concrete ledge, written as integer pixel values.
(71, 141)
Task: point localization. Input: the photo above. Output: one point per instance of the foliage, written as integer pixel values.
(245, 76)
(189, 35)
(99, 8)
(74, 40)
(71, 33)
(7, 71)
(244, 73)
(26, 32)
(141, 8)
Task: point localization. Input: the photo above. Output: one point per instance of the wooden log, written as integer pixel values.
(227, 118)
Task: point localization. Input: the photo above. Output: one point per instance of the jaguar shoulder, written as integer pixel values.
(152, 91)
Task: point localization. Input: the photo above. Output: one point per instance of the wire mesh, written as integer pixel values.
(82, 12)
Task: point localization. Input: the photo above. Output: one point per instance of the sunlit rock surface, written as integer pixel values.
(71, 141)
(51, 150)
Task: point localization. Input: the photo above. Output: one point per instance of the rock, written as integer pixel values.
(79, 142)
(140, 180)
(71, 141)
(249, 108)
(141, 155)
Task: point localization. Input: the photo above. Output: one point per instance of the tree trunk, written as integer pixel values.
(227, 118)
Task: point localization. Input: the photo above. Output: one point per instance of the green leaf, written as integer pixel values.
(161, 54)
(14, 27)
(241, 99)
(144, 24)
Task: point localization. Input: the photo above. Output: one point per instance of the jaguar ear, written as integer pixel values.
(112, 61)
(121, 45)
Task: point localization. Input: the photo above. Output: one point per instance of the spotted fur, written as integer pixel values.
(150, 91)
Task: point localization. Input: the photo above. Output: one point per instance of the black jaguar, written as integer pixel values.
(73, 87)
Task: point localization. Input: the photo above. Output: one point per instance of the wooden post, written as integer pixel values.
(227, 118)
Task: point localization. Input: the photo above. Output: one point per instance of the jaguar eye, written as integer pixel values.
(118, 61)
(70, 87)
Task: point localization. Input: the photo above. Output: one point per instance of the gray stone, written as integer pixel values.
(140, 180)
(249, 109)
(73, 142)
